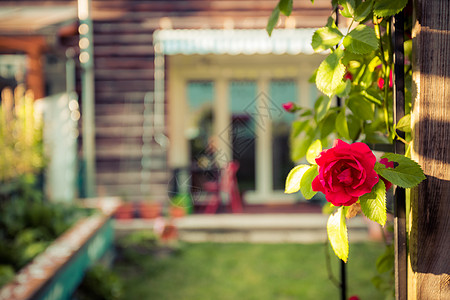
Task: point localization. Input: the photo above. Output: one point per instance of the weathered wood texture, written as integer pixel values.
(429, 276)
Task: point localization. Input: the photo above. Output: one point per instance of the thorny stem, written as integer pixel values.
(328, 264)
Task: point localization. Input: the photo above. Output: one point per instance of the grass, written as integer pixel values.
(245, 271)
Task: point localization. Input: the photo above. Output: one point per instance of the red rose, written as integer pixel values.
(388, 164)
(353, 298)
(346, 172)
(288, 106)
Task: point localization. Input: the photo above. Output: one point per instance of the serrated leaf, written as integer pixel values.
(404, 124)
(406, 174)
(337, 234)
(361, 40)
(294, 177)
(348, 8)
(360, 108)
(306, 182)
(341, 125)
(325, 38)
(330, 73)
(285, 7)
(273, 19)
(313, 151)
(373, 204)
(387, 8)
(321, 107)
(363, 10)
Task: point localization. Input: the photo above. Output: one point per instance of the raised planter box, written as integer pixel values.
(56, 273)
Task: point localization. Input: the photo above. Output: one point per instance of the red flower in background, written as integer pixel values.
(380, 81)
(354, 297)
(348, 75)
(388, 164)
(346, 172)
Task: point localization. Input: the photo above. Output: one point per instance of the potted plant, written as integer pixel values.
(149, 209)
(180, 205)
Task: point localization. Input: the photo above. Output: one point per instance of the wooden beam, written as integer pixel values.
(32, 46)
(429, 246)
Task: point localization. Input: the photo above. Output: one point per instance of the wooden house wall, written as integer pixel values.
(124, 69)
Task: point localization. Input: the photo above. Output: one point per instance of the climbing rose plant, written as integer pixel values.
(350, 176)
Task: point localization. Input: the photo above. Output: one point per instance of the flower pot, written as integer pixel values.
(124, 212)
(149, 210)
(177, 211)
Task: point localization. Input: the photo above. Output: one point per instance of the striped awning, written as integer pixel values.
(234, 41)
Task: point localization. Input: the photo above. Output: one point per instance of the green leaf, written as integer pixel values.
(285, 7)
(354, 127)
(293, 179)
(373, 204)
(298, 127)
(387, 8)
(321, 107)
(302, 135)
(373, 96)
(360, 108)
(337, 234)
(404, 124)
(306, 182)
(330, 73)
(348, 8)
(385, 261)
(341, 125)
(361, 40)
(327, 125)
(273, 19)
(406, 174)
(363, 10)
(344, 89)
(313, 151)
(325, 38)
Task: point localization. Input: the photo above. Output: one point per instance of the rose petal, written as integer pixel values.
(317, 185)
(340, 198)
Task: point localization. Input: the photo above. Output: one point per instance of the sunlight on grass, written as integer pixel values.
(245, 271)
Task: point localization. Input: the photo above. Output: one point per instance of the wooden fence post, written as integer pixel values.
(429, 244)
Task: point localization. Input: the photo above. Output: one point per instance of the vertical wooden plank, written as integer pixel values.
(430, 202)
(399, 193)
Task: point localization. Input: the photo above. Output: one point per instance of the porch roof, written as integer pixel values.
(234, 41)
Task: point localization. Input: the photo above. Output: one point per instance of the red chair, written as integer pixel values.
(226, 186)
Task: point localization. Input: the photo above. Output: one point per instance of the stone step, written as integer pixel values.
(261, 228)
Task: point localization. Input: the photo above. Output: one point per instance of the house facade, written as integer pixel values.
(174, 77)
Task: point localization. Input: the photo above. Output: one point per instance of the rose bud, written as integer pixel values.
(348, 75)
(380, 83)
(346, 172)
(289, 106)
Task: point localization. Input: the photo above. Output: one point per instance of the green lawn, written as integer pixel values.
(245, 271)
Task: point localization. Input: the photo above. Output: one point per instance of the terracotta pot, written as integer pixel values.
(124, 212)
(149, 210)
(177, 211)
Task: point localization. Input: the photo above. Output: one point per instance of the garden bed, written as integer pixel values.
(56, 272)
